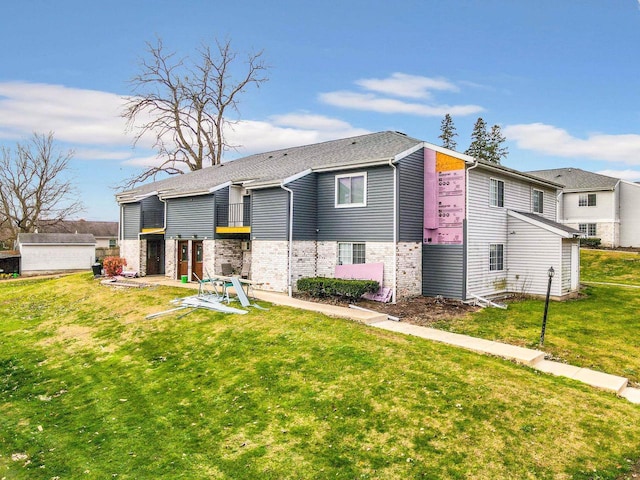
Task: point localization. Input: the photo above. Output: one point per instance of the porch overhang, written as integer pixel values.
(233, 229)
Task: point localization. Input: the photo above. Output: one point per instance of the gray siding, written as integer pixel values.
(270, 214)
(373, 223)
(305, 207)
(443, 271)
(411, 197)
(190, 216)
(131, 219)
(152, 212)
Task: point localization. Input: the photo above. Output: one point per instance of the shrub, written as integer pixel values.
(336, 287)
(113, 265)
(591, 242)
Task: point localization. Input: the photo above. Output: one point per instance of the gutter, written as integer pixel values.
(290, 259)
(395, 232)
(466, 240)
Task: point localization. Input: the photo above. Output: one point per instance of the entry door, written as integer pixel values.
(196, 259)
(575, 265)
(183, 258)
(154, 257)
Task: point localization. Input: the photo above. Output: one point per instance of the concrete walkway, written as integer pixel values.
(533, 358)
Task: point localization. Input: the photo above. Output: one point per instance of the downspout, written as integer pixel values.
(290, 259)
(395, 231)
(466, 240)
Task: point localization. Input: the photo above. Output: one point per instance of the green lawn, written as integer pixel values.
(597, 331)
(90, 389)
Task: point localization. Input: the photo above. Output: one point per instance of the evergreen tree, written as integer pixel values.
(479, 140)
(495, 149)
(448, 132)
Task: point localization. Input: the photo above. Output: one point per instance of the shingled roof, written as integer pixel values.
(97, 229)
(56, 238)
(275, 166)
(576, 179)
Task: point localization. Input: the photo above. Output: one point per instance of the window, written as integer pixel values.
(351, 190)
(496, 257)
(538, 201)
(496, 193)
(349, 253)
(587, 200)
(112, 243)
(588, 228)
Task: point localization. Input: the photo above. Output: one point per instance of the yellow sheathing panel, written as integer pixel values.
(445, 163)
(233, 229)
(152, 230)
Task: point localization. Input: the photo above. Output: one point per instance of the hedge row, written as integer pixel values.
(591, 242)
(336, 287)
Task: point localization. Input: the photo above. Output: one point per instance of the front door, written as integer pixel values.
(196, 260)
(154, 257)
(183, 258)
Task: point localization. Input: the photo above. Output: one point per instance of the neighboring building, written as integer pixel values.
(105, 233)
(598, 205)
(55, 252)
(9, 262)
(440, 222)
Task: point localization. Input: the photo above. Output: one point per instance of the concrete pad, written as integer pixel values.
(511, 352)
(602, 380)
(612, 383)
(557, 368)
(631, 394)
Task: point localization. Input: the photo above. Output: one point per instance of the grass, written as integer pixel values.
(90, 389)
(597, 331)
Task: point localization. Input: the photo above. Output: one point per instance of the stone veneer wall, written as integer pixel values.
(304, 260)
(381, 252)
(269, 264)
(130, 250)
(409, 266)
(227, 251)
(170, 259)
(607, 232)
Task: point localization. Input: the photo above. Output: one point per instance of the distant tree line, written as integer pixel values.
(485, 145)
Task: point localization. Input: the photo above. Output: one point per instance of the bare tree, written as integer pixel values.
(183, 105)
(33, 187)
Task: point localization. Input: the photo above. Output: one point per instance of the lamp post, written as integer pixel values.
(551, 272)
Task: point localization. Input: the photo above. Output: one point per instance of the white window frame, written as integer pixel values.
(497, 201)
(584, 200)
(350, 246)
(496, 257)
(589, 229)
(364, 193)
(537, 201)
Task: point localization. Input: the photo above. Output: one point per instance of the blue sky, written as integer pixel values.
(562, 78)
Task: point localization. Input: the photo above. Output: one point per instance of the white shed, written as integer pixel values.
(54, 252)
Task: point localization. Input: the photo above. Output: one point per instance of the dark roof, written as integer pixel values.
(275, 167)
(56, 238)
(9, 254)
(278, 165)
(577, 179)
(97, 229)
(545, 221)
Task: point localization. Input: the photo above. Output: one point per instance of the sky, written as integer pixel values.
(561, 78)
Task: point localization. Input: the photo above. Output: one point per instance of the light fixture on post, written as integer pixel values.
(551, 272)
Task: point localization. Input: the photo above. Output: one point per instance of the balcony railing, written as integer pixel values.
(233, 215)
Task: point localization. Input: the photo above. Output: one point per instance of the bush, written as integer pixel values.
(113, 266)
(591, 242)
(336, 287)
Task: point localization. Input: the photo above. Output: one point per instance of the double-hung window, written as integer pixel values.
(351, 190)
(587, 200)
(496, 193)
(588, 228)
(350, 253)
(496, 257)
(538, 201)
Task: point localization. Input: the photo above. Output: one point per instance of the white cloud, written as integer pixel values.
(630, 175)
(551, 140)
(74, 115)
(404, 85)
(371, 102)
(378, 93)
